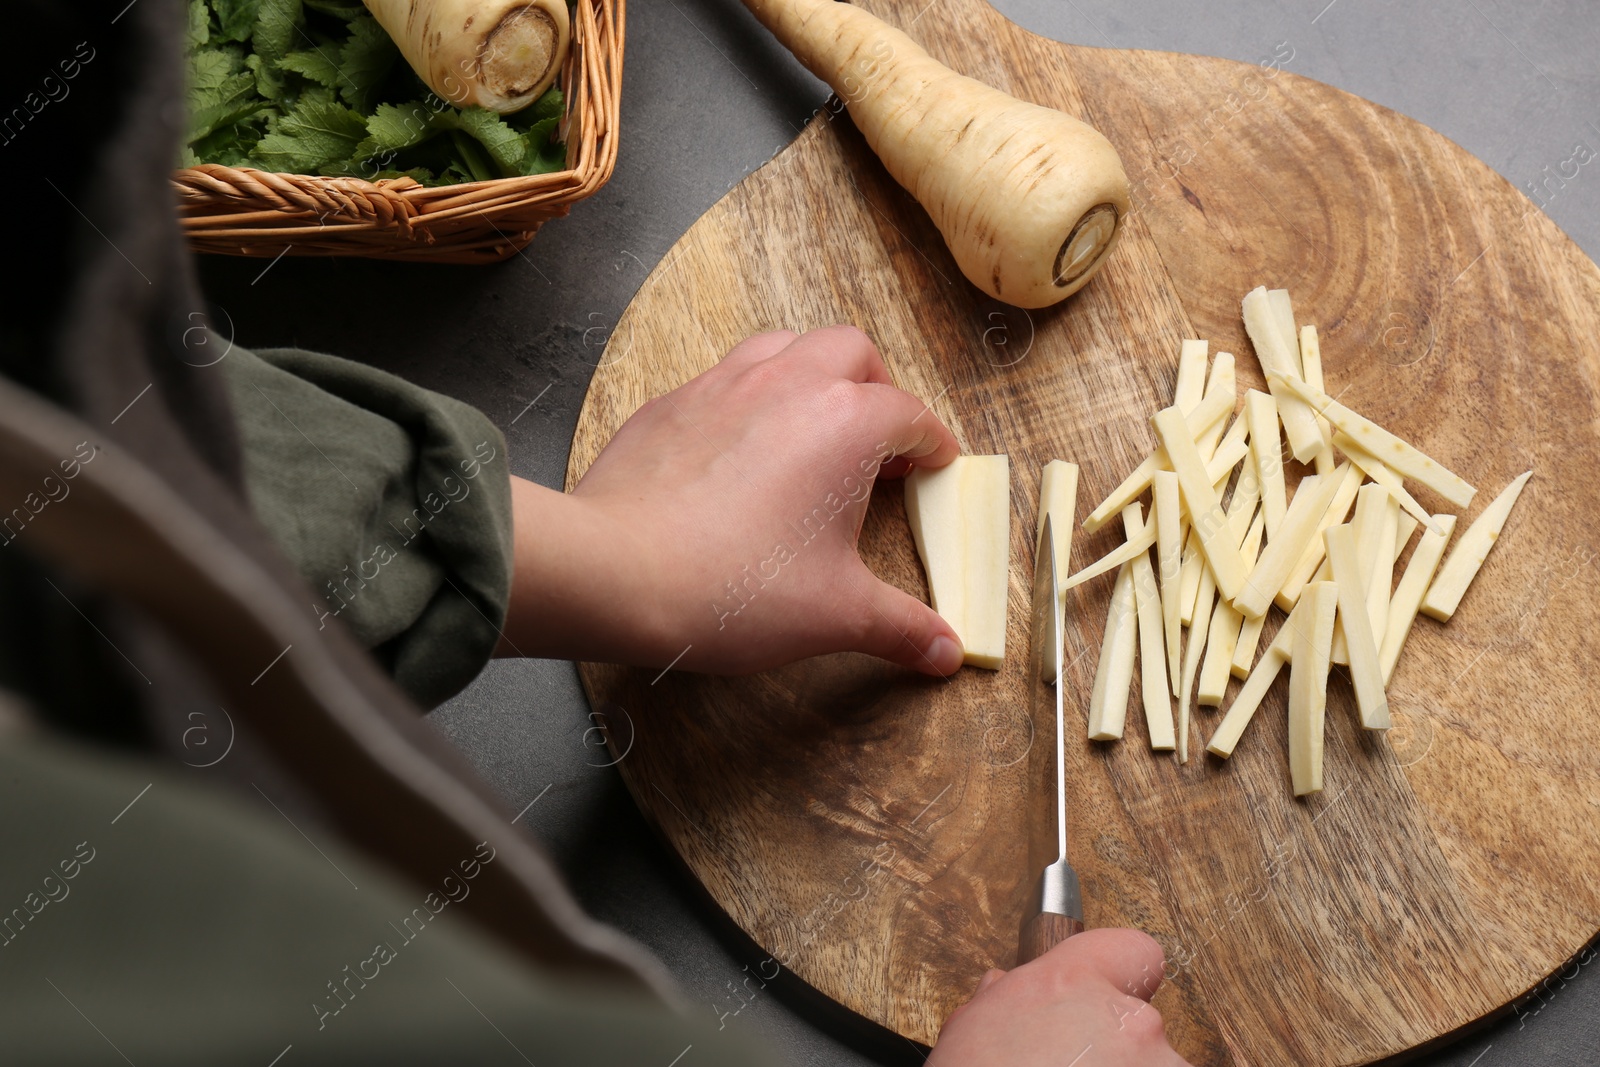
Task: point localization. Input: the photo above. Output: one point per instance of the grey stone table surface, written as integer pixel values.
(707, 98)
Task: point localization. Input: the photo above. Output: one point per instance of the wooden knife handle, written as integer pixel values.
(1044, 932)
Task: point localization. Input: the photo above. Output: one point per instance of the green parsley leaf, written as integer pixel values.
(236, 17)
(280, 28)
(220, 92)
(318, 132)
(365, 62)
(314, 65)
(198, 32)
(545, 156)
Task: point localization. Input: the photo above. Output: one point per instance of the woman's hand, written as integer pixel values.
(1085, 1003)
(717, 530)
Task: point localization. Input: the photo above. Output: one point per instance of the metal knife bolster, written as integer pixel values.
(1057, 893)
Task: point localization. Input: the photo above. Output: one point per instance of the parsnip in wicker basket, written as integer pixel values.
(498, 54)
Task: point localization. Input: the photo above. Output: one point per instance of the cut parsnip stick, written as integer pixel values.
(1212, 409)
(1167, 503)
(1374, 468)
(1205, 514)
(1254, 690)
(1194, 561)
(1244, 652)
(1191, 657)
(1311, 364)
(1365, 672)
(1194, 557)
(1113, 677)
(1221, 382)
(1310, 560)
(1223, 634)
(1227, 456)
(960, 518)
(1380, 568)
(1153, 682)
(1444, 594)
(1308, 686)
(1283, 314)
(1407, 599)
(1058, 497)
(1402, 458)
(1367, 528)
(1267, 449)
(1191, 387)
(1123, 553)
(1300, 524)
(1276, 357)
(1402, 536)
(1240, 509)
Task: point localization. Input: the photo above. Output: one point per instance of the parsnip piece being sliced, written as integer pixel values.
(1213, 408)
(1167, 503)
(1205, 514)
(1191, 387)
(1267, 449)
(960, 517)
(1153, 682)
(1310, 560)
(1123, 553)
(1254, 690)
(1113, 677)
(1445, 593)
(1365, 672)
(1300, 523)
(1407, 599)
(1299, 421)
(1221, 382)
(1223, 634)
(1308, 686)
(1058, 497)
(1373, 468)
(1400, 457)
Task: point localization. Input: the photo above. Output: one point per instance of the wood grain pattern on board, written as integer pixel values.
(864, 825)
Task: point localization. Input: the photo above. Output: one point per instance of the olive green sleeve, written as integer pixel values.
(181, 925)
(393, 502)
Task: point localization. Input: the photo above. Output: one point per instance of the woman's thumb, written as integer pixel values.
(902, 629)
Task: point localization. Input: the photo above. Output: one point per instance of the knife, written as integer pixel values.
(1055, 910)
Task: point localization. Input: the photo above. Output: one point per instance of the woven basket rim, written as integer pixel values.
(249, 211)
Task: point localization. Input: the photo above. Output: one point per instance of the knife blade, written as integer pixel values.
(1055, 910)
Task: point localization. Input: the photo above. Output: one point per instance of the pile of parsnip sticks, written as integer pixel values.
(1202, 567)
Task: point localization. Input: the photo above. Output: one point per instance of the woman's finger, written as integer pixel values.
(756, 348)
(896, 626)
(908, 426)
(840, 352)
(1130, 960)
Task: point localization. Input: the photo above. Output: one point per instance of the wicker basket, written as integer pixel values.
(245, 212)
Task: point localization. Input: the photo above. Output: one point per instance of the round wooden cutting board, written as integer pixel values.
(863, 825)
